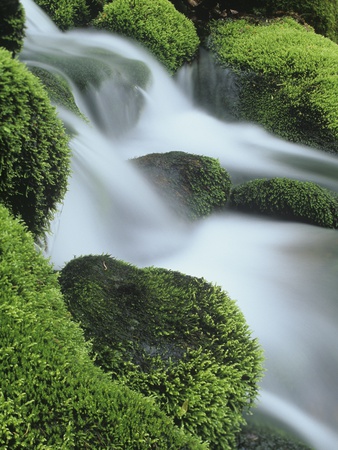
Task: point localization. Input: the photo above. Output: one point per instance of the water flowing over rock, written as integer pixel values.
(283, 275)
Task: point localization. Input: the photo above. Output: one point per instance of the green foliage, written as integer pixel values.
(34, 156)
(156, 24)
(170, 336)
(51, 394)
(12, 22)
(302, 201)
(287, 76)
(193, 185)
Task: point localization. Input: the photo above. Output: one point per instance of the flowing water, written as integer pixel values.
(283, 275)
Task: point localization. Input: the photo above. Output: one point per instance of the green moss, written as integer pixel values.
(12, 22)
(322, 15)
(156, 24)
(287, 76)
(34, 153)
(302, 201)
(170, 336)
(194, 186)
(52, 396)
(66, 14)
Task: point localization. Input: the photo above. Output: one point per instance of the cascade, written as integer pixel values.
(282, 274)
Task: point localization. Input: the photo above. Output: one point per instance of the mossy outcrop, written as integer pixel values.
(156, 24)
(287, 77)
(302, 201)
(193, 186)
(51, 395)
(12, 25)
(170, 336)
(35, 158)
(68, 14)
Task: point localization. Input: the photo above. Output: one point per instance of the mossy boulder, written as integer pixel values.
(67, 14)
(52, 396)
(12, 25)
(193, 186)
(173, 337)
(286, 75)
(35, 157)
(169, 35)
(302, 201)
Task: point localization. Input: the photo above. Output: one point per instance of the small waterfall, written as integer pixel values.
(283, 275)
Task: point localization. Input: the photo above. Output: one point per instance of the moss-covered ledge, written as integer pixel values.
(170, 336)
(287, 76)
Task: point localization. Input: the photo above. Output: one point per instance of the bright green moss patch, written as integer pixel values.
(156, 24)
(302, 201)
(174, 337)
(12, 22)
(51, 394)
(194, 186)
(34, 153)
(287, 76)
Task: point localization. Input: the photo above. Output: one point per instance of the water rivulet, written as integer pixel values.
(282, 274)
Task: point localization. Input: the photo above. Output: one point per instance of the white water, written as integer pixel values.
(283, 275)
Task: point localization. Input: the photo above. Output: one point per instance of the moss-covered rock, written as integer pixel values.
(287, 77)
(156, 24)
(69, 14)
(302, 201)
(170, 336)
(12, 25)
(194, 186)
(34, 153)
(66, 14)
(52, 396)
